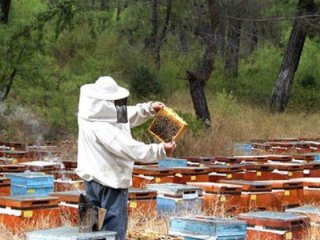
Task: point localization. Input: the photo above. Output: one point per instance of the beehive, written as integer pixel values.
(142, 201)
(17, 212)
(167, 125)
(64, 233)
(177, 198)
(275, 225)
(207, 227)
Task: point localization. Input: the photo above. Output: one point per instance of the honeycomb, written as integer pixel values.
(167, 125)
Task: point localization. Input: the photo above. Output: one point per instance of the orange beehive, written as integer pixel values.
(68, 205)
(142, 201)
(4, 186)
(68, 185)
(225, 172)
(219, 197)
(191, 174)
(311, 189)
(284, 171)
(19, 156)
(12, 168)
(28, 211)
(143, 175)
(167, 125)
(286, 193)
(254, 195)
(275, 225)
(312, 169)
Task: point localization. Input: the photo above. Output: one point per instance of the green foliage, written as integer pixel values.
(195, 125)
(256, 79)
(144, 83)
(54, 49)
(226, 103)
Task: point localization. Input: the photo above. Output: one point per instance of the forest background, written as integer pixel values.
(235, 70)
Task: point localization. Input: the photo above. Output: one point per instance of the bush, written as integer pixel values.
(144, 84)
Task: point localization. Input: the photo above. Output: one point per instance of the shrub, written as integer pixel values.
(144, 83)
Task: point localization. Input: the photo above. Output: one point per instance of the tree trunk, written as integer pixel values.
(222, 37)
(197, 87)
(118, 10)
(233, 44)
(290, 62)
(5, 10)
(154, 24)
(200, 76)
(163, 34)
(253, 37)
(104, 5)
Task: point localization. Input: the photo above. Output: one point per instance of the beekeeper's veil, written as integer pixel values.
(103, 100)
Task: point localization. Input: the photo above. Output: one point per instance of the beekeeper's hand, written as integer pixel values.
(170, 147)
(157, 106)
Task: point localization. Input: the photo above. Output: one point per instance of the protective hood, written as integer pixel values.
(97, 101)
(92, 109)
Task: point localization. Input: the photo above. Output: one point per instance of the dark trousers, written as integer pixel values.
(116, 203)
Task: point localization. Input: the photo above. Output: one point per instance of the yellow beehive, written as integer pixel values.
(167, 125)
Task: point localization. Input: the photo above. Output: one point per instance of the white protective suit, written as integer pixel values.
(106, 149)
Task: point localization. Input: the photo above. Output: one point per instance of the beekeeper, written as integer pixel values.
(107, 151)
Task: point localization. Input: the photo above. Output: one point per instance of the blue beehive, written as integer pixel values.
(317, 157)
(36, 183)
(172, 162)
(177, 198)
(243, 148)
(204, 227)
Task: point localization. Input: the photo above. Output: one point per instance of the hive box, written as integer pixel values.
(4, 186)
(177, 198)
(219, 197)
(172, 162)
(31, 183)
(41, 166)
(207, 227)
(67, 233)
(142, 201)
(285, 171)
(275, 225)
(254, 195)
(287, 194)
(257, 172)
(143, 175)
(26, 211)
(311, 189)
(12, 168)
(225, 172)
(61, 185)
(191, 174)
(68, 204)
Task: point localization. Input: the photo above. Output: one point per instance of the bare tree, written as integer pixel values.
(199, 77)
(156, 38)
(233, 39)
(290, 62)
(5, 10)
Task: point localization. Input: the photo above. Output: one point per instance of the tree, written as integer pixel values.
(290, 62)
(199, 77)
(5, 10)
(233, 40)
(156, 38)
(25, 42)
